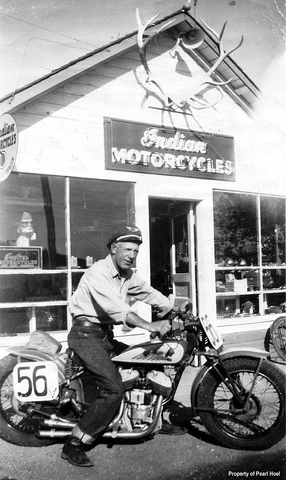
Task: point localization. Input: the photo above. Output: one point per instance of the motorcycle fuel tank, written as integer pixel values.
(168, 352)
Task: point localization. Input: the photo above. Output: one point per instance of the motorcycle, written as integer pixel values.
(278, 336)
(238, 394)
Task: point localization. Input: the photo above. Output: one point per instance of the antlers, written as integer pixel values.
(222, 55)
(144, 43)
(200, 85)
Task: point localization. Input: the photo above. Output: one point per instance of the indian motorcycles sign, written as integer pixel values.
(8, 145)
(142, 148)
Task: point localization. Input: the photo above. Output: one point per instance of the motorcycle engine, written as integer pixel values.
(141, 394)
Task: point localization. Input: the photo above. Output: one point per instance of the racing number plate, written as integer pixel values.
(213, 334)
(36, 381)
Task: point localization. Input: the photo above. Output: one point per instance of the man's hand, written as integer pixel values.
(161, 327)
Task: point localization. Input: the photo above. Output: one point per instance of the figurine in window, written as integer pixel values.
(26, 230)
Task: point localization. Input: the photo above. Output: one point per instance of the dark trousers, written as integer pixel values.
(94, 345)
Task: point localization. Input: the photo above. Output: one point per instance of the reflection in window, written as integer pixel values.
(181, 243)
(273, 230)
(24, 320)
(33, 214)
(235, 229)
(14, 320)
(98, 208)
(52, 318)
(33, 288)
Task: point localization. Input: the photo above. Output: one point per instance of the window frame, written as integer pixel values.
(262, 293)
(69, 270)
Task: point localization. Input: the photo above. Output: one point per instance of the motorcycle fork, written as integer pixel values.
(231, 384)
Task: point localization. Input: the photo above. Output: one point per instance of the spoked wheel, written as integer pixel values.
(278, 337)
(15, 426)
(256, 419)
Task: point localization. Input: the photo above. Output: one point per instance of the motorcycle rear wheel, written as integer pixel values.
(278, 336)
(15, 426)
(262, 424)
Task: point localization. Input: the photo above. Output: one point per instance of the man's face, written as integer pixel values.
(124, 254)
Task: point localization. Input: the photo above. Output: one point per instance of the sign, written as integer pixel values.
(35, 381)
(8, 145)
(15, 257)
(145, 148)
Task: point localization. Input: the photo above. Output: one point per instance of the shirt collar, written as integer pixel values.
(114, 270)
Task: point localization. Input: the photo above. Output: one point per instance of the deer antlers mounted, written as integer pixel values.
(204, 82)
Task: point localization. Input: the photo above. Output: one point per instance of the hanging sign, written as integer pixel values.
(8, 145)
(144, 148)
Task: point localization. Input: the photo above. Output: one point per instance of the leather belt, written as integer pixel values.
(82, 321)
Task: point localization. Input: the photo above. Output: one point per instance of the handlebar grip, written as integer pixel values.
(153, 335)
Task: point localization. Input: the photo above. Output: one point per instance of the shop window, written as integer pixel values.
(97, 209)
(249, 235)
(52, 229)
(32, 215)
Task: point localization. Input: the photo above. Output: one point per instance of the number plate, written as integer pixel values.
(213, 334)
(36, 381)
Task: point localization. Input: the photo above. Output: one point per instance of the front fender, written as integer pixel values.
(230, 352)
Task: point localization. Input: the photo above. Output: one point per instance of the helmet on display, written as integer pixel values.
(242, 262)
(229, 262)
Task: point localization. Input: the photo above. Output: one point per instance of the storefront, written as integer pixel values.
(96, 151)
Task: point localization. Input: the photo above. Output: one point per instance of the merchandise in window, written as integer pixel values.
(249, 236)
(32, 215)
(51, 230)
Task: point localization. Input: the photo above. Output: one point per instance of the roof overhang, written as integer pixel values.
(240, 88)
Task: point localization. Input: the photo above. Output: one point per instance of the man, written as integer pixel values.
(102, 300)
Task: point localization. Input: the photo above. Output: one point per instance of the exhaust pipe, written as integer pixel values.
(53, 433)
(60, 424)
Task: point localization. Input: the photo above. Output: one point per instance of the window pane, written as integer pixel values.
(273, 230)
(275, 303)
(243, 305)
(237, 281)
(52, 318)
(14, 320)
(97, 208)
(235, 229)
(76, 276)
(274, 279)
(33, 288)
(33, 214)
(23, 320)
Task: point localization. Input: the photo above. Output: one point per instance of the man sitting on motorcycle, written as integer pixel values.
(101, 301)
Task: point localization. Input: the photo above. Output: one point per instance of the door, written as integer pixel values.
(172, 249)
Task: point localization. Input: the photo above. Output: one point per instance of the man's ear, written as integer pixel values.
(113, 247)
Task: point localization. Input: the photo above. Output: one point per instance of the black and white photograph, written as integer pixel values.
(142, 239)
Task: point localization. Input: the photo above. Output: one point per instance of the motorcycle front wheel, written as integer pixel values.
(278, 336)
(15, 426)
(254, 422)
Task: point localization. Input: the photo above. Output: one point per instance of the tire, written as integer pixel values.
(15, 427)
(278, 337)
(259, 428)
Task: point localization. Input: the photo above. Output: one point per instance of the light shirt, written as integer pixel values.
(105, 297)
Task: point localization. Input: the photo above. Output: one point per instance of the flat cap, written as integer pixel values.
(126, 234)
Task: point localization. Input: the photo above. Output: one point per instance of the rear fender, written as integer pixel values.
(226, 354)
(22, 353)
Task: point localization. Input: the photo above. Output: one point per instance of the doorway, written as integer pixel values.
(172, 249)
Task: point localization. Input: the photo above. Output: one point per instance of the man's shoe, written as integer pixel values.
(168, 429)
(73, 451)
